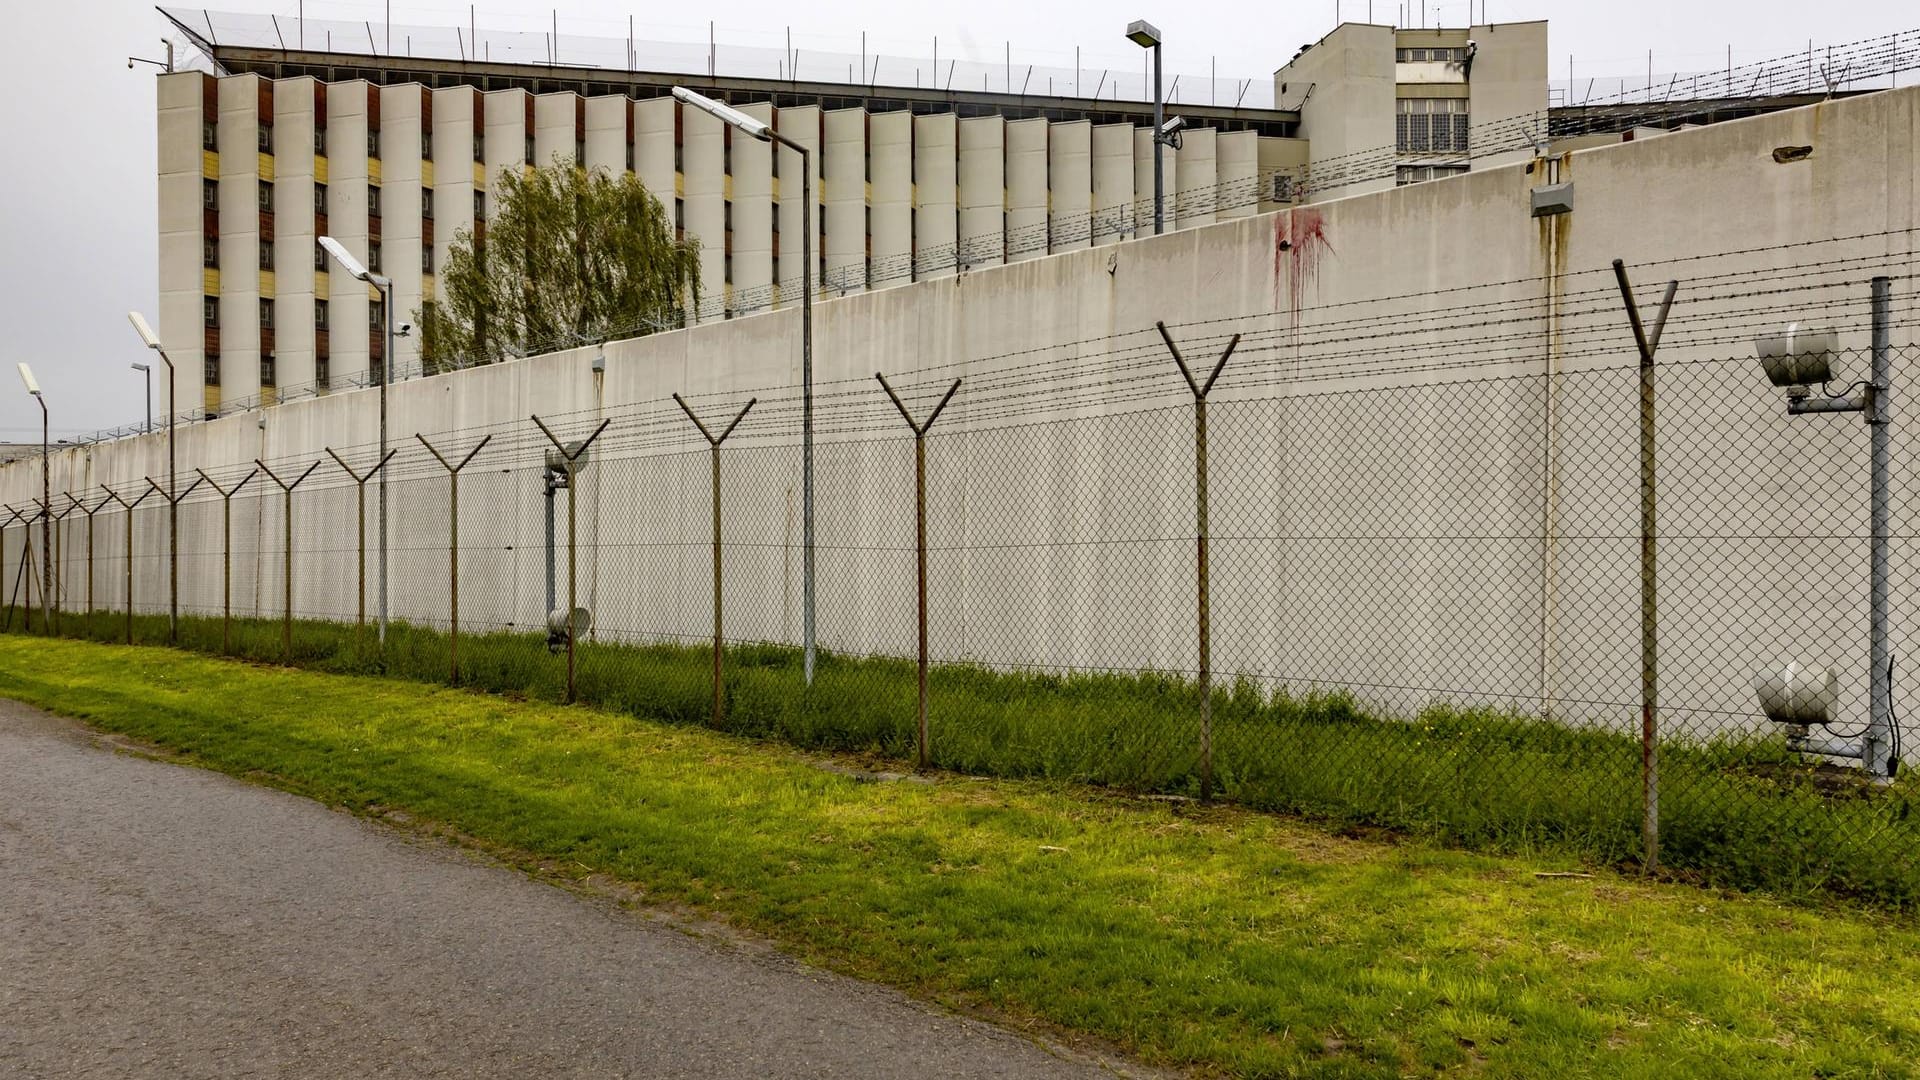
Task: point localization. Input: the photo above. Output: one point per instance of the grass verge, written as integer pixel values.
(1232, 942)
(1738, 813)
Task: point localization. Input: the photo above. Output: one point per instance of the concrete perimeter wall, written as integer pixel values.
(1424, 456)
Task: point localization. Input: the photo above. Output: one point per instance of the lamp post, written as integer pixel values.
(46, 506)
(152, 341)
(147, 370)
(1147, 36)
(757, 129)
(384, 285)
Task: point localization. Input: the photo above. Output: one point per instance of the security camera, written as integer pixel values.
(405, 329)
(1173, 124)
(129, 63)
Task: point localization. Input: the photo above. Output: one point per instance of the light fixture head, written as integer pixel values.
(1143, 33)
(726, 114)
(147, 337)
(142, 367)
(26, 376)
(354, 267)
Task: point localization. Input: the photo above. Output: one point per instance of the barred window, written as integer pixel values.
(1431, 124)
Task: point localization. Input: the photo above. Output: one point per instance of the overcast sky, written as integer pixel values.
(77, 226)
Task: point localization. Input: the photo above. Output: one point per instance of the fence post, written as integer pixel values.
(83, 509)
(360, 483)
(12, 516)
(923, 737)
(453, 550)
(286, 611)
(713, 446)
(1204, 603)
(572, 458)
(173, 553)
(226, 553)
(1649, 590)
(128, 507)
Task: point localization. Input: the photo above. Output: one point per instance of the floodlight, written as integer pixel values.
(142, 367)
(561, 629)
(727, 114)
(1794, 695)
(1797, 356)
(147, 336)
(1143, 33)
(26, 376)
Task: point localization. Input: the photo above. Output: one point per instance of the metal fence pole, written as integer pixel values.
(573, 464)
(226, 553)
(286, 612)
(360, 486)
(12, 516)
(128, 507)
(1648, 344)
(923, 736)
(713, 446)
(453, 550)
(1203, 602)
(173, 553)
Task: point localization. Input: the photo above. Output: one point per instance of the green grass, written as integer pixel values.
(1733, 813)
(1234, 942)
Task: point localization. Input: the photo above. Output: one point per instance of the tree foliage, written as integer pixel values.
(570, 256)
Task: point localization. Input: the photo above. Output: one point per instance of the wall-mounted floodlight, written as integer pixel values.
(727, 114)
(561, 629)
(26, 376)
(1797, 359)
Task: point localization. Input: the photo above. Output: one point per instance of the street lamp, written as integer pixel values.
(358, 270)
(46, 505)
(763, 131)
(1147, 36)
(147, 370)
(152, 341)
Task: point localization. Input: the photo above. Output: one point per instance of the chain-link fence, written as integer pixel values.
(1399, 576)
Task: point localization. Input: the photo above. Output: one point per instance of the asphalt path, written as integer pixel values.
(158, 920)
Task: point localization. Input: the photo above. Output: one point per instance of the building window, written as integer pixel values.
(210, 194)
(426, 204)
(426, 146)
(426, 258)
(321, 374)
(373, 200)
(1430, 55)
(319, 256)
(629, 157)
(373, 255)
(529, 150)
(1431, 125)
(479, 204)
(319, 200)
(210, 252)
(376, 315)
(1415, 174)
(479, 146)
(209, 135)
(319, 314)
(373, 143)
(266, 369)
(210, 310)
(319, 142)
(266, 254)
(266, 197)
(213, 369)
(266, 314)
(266, 138)
(580, 152)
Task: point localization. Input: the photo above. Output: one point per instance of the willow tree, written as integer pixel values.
(570, 256)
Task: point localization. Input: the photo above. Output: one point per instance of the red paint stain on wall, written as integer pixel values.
(1300, 244)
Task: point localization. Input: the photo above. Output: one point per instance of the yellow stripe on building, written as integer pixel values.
(322, 285)
(479, 175)
(426, 173)
(212, 400)
(210, 281)
(210, 164)
(266, 167)
(266, 284)
(373, 170)
(320, 168)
